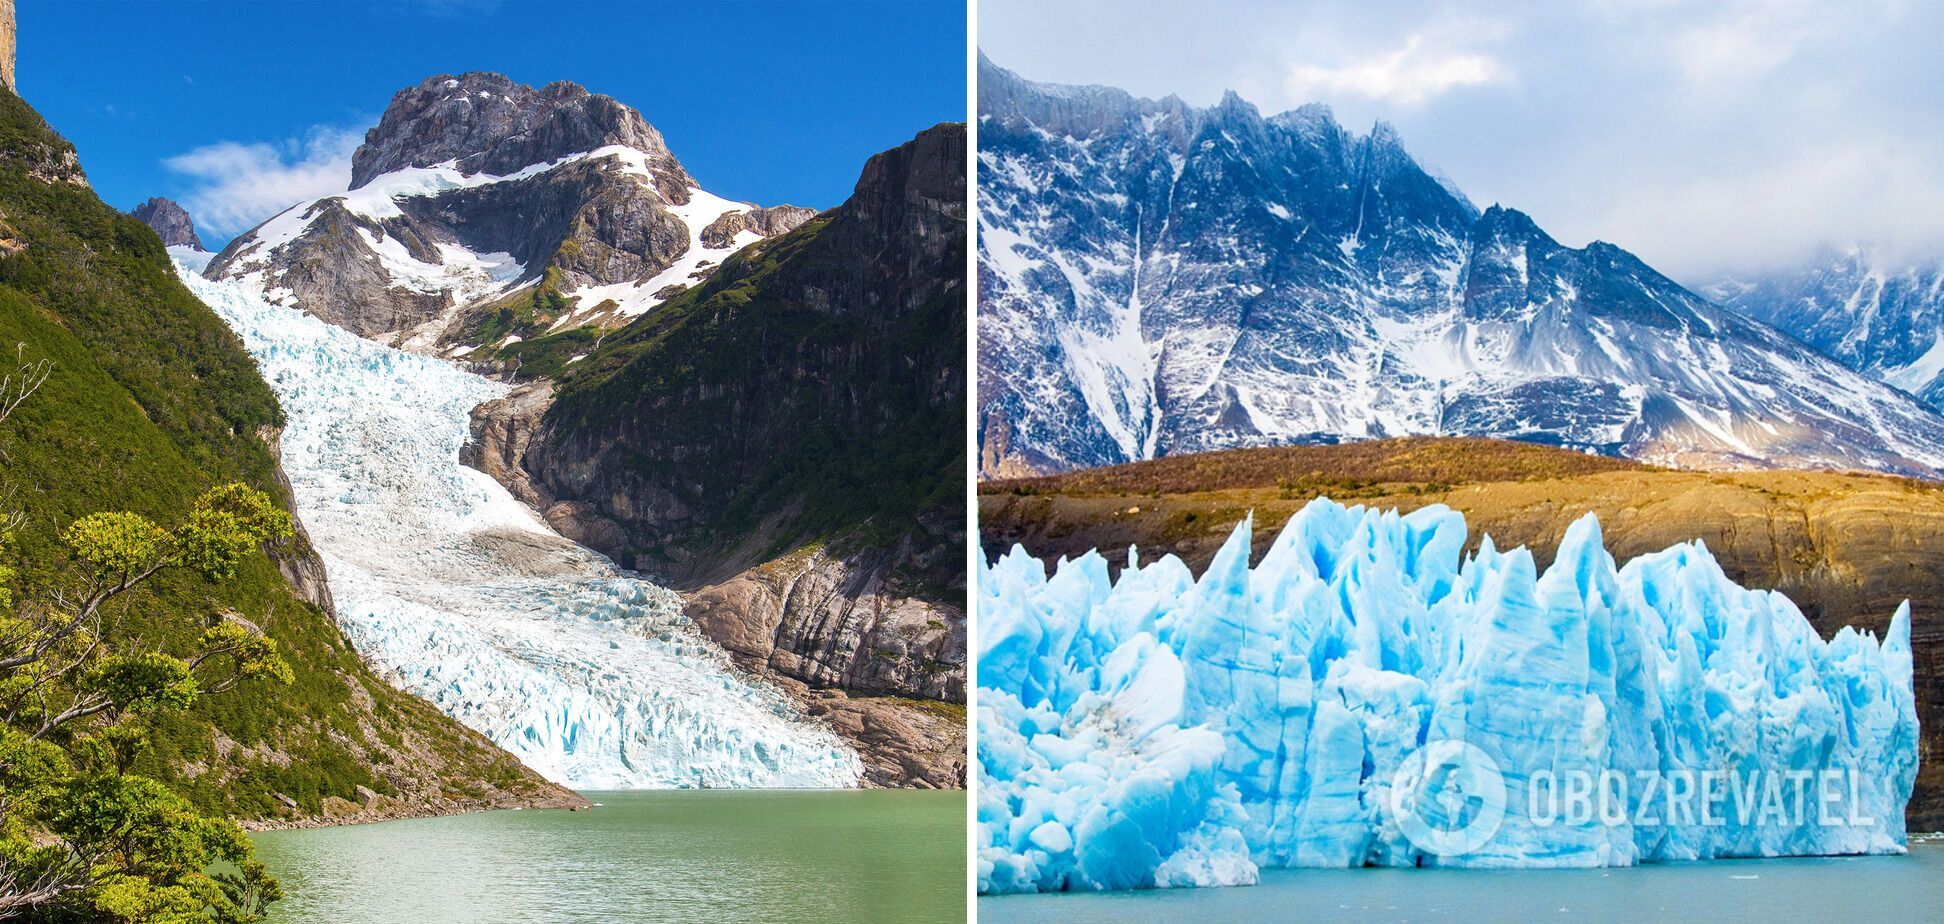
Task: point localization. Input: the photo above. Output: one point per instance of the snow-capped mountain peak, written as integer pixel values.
(1161, 279)
(480, 211)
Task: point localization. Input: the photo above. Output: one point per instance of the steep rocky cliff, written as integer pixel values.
(170, 222)
(784, 443)
(7, 39)
(481, 212)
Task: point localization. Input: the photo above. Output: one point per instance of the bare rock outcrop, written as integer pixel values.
(170, 221)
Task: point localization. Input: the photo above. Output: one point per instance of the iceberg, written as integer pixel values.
(455, 591)
(1370, 694)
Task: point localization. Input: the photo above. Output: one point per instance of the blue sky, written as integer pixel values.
(240, 109)
(1708, 136)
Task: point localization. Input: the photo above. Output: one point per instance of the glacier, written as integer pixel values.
(456, 592)
(1371, 693)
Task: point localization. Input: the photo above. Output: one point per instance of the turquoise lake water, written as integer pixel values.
(1907, 888)
(700, 855)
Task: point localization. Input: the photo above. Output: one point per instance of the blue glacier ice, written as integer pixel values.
(1372, 694)
(455, 591)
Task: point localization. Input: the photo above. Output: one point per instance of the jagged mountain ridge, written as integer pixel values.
(481, 211)
(1157, 278)
(1880, 316)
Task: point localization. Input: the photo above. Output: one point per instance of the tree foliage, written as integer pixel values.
(82, 838)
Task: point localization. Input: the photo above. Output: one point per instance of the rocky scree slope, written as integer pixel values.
(152, 400)
(481, 212)
(783, 444)
(1157, 278)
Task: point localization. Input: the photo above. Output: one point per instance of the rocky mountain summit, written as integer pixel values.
(1882, 317)
(481, 212)
(1157, 279)
(170, 221)
(486, 123)
(799, 486)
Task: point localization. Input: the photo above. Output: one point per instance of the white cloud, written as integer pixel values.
(238, 185)
(1422, 68)
(1877, 190)
(1745, 40)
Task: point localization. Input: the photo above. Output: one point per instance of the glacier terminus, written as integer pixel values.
(1372, 694)
(458, 593)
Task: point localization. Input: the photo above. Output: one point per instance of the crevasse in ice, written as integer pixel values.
(1160, 730)
(457, 592)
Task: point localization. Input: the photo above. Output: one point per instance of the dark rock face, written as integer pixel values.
(1160, 279)
(501, 430)
(298, 561)
(525, 211)
(170, 221)
(802, 485)
(838, 620)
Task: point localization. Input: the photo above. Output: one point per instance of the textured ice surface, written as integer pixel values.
(458, 593)
(1164, 731)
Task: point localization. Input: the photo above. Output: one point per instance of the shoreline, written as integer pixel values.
(377, 812)
(583, 802)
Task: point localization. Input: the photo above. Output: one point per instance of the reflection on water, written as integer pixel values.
(710, 855)
(1909, 888)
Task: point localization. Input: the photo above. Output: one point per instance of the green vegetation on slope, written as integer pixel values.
(151, 401)
(798, 408)
(83, 834)
(524, 313)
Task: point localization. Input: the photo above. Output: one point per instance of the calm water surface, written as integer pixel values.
(852, 856)
(1909, 888)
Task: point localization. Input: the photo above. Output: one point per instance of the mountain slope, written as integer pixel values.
(1846, 548)
(785, 441)
(151, 400)
(481, 211)
(1881, 317)
(1156, 279)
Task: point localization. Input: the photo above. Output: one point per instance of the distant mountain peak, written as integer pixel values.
(484, 212)
(1877, 313)
(170, 221)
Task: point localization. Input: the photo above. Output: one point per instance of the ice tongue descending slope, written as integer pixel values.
(463, 597)
(1163, 731)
